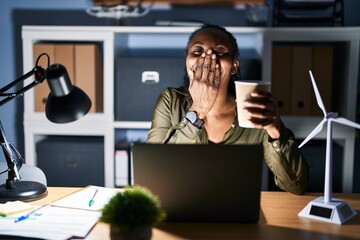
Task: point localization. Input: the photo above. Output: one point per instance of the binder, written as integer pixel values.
(83, 64)
(322, 65)
(42, 91)
(301, 85)
(88, 74)
(281, 79)
(65, 55)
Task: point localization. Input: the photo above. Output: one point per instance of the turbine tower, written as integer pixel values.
(326, 208)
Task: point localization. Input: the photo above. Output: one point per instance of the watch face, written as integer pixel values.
(193, 119)
(191, 116)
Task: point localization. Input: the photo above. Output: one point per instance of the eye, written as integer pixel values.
(220, 52)
(197, 51)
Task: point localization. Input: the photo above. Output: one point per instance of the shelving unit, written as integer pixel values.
(308, 13)
(346, 90)
(127, 42)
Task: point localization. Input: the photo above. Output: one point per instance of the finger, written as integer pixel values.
(261, 118)
(260, 93)
(261, 99)
(257, 119)
(217, 76)
(212, 69)
(260, 123)
(206, 66)
(198, 67)
(260, 113)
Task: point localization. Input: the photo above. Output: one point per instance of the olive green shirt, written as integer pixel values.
(281, 155)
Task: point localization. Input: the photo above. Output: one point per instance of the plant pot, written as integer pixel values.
(135, 233)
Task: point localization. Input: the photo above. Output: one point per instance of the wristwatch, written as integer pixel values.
(194, 120)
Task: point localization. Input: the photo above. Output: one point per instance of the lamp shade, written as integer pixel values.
(65, 103)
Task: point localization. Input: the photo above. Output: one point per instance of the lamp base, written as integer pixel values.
(25, 191)
(336, 211)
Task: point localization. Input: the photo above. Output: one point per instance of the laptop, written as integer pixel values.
(202, 182)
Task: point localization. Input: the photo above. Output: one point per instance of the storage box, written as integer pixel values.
(139, 82)
(72, 161)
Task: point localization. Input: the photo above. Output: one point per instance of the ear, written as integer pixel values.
(235, 67)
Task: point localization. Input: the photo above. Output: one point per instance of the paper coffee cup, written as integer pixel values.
(243, 90)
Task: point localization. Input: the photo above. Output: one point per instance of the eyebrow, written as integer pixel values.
(216, 45)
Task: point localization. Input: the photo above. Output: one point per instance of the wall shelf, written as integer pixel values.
(120, 41)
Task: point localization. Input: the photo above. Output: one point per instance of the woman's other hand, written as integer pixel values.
(262, 110)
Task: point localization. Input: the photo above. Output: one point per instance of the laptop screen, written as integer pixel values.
(201, 182)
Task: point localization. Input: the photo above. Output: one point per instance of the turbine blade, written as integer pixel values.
(314, 132)
(317, 94)
(346, 122)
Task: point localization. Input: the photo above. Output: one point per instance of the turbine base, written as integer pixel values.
(336, 211)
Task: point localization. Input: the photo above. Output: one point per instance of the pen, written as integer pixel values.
(23, 217)
(91, 202)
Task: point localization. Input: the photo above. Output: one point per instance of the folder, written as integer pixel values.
(88, 73)
(58, 53)
(281, 78)
(42, 90)
(301, 85)
(65, 55)
(83, 64)
(322, 65)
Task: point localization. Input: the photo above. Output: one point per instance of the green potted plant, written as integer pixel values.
(132, 213)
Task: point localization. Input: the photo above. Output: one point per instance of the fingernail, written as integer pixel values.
(209, 51)
(203, 55)
(213, 56)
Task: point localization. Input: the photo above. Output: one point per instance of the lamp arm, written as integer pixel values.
(13, 158)
(39, 73)
(14, 162)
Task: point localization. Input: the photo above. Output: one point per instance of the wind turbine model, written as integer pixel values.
(326, 208)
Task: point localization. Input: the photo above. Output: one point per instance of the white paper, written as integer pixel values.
(51, 223)
(81, 198)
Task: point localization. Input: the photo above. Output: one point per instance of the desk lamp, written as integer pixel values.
(65, 103)
(326, 208)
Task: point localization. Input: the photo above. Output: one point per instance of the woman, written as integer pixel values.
(204, 111)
